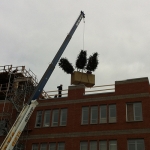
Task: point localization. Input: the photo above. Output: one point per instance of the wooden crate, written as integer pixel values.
(82, 78)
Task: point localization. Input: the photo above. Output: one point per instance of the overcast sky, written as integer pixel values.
(32, 31)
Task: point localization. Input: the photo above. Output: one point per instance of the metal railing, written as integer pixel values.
(20, 69)
(6, 68)
(92, 90)
(100, 89)
(52, 94)
(4, 87)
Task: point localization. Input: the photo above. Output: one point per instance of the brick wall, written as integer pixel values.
(128, 91)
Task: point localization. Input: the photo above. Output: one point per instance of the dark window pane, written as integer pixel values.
(34, 146)
(85, 115)
(130, 114)
(94, 115)
(103, 114)
(46, 122)
(55, 117)
(61, 146)
(38, 119)
(83, 145)
(63, 117)
(52, 146)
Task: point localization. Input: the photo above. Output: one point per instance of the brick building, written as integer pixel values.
(91, 119)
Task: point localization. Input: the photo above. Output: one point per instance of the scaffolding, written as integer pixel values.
(16, 86)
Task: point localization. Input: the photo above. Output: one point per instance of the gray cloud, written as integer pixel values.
(33, 31)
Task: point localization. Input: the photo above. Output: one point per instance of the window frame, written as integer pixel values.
(103, 144)
(135, 144)
(113, 144)
(44, 118)
(58, 145)
(57, 123)
(115, 118)
(37, 144)
(84, 142)
(88, 112)
(134, 105)
(61, 117)
(133, 113)
(41, 117)
(102, 120)
(41, 144)
(90, 145)
(91, 114)
(54, 146)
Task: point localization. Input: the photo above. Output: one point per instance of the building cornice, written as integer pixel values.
(88, 134)
(135, 80)
(140, 95)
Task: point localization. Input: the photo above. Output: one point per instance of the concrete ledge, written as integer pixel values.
(144, 79)
(95, 99)
(80, 86)
(87, 134)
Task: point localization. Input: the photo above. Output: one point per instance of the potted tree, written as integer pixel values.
(84, 67)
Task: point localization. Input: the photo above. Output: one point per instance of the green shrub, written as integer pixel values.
(81, 60)
(92, 62)
(66, 65)
(81, 63)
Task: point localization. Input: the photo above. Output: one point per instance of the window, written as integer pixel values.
(83, 145)
(103, 145)
(61, 146)
(43, 146)
(94, 115)
(85, 115)
(103, 114)
(55, 117)
(136, 144)
(113, 145)
(134, 111)
(93, 145)
(112, 113)
(98, 114)
(63, 117)
(52, 146)
(34, 146)
(58, 117)
(46, 122)
(38, 119)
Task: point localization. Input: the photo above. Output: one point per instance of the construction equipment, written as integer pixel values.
(21, 121)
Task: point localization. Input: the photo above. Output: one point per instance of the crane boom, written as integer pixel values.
(51, 67)
(21, 121)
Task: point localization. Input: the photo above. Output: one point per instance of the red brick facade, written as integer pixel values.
(127, 91)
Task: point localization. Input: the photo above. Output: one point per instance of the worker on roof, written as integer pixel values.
(59, 90)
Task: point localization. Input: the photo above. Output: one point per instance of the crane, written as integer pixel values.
(22, 119)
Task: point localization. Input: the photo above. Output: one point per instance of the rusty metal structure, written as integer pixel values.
(16, 86)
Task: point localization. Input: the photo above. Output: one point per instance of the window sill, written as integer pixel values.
(112, 122)
(134, 121)
(98, 123)
(62, 125)
(37, 127)
(93, 123)
(84, 124)
(45, 126)
(49, 127)
(54, 126)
